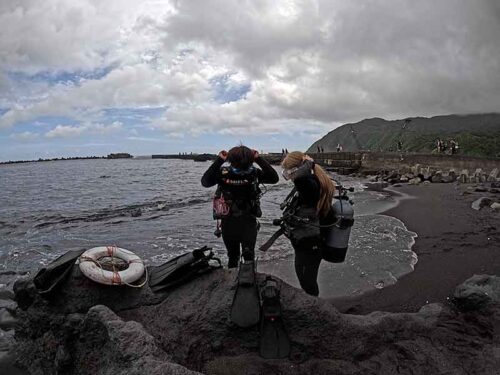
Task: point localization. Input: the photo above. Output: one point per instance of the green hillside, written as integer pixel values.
(477, 135)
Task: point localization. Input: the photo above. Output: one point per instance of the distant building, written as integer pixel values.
(119, 155)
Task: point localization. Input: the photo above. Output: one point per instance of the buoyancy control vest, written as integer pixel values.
(237, 193)
(301, 223)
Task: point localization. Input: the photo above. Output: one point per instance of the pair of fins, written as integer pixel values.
(249, 308)
(48, 279)
(174, 272)
(182, 269)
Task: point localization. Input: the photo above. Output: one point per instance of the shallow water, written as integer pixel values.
(158, 208)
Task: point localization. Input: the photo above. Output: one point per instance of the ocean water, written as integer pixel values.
(158, 209)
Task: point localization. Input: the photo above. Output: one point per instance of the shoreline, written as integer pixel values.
(338, 281)
(454, 242)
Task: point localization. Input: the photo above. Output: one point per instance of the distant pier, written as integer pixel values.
(195, 157)
(273, 158)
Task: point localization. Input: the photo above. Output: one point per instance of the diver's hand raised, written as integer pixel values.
(223, 155)
(255, 154)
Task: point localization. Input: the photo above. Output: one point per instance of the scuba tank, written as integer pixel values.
(336, 236)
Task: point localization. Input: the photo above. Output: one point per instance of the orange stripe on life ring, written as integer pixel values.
(116, 279)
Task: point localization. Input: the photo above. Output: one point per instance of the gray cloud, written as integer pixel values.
(307, 63)
(69, 131)
(24, 136)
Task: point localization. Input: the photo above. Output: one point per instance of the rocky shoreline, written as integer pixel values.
(89, 329)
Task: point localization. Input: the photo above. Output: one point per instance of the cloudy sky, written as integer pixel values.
(89, 77)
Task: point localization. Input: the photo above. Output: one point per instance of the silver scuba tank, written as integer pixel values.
(336, 237)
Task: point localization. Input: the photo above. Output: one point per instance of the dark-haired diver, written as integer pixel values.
(237, 202)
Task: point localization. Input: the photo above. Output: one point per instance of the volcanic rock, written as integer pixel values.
(188, 329)
(481, 202)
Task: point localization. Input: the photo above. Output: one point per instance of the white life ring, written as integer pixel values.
(89, 265)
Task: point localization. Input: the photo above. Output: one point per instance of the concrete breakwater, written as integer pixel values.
(374, 162)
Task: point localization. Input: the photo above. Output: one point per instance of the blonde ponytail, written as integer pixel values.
(327, 186)
(327, 191)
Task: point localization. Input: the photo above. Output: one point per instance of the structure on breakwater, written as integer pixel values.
(195, 157)
(349, 162)
(119, 155)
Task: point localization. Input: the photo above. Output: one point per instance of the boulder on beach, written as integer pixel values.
(414, 181)
(464, 176)
(88, 328)
(481, 202)
(452, 175)
(493, 175)
(437, 177)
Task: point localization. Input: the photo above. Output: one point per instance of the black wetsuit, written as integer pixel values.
(239, 233)
(308, 253)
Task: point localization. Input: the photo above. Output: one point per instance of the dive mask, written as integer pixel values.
(302, 170)
(242, 171)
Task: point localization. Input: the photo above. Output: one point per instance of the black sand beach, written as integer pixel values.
(454, 242)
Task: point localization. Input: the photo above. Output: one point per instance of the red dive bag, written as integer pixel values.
(221, 208)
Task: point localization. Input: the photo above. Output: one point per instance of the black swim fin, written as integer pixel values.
(48, 278)
(182, 269)
(274, 340)
(245, 310)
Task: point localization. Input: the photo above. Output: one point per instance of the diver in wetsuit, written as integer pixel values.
(238, 185)
(313, 201)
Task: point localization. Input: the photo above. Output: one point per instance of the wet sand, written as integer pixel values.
(454, 242)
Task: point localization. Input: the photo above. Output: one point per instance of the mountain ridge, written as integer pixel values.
(476, 134)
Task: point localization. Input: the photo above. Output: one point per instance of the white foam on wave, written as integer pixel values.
(379, 254)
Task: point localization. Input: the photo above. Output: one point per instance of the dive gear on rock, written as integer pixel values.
(245, 309)
(49, 278)
(274, 340)
(182, 269)
(91, 267)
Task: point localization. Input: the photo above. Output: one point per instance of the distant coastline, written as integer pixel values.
(273, 158)
(121, 155)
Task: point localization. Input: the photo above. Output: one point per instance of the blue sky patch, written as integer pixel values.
(226, 91)
(61, 77)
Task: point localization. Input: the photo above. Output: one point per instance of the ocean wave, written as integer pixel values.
(133, 210)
